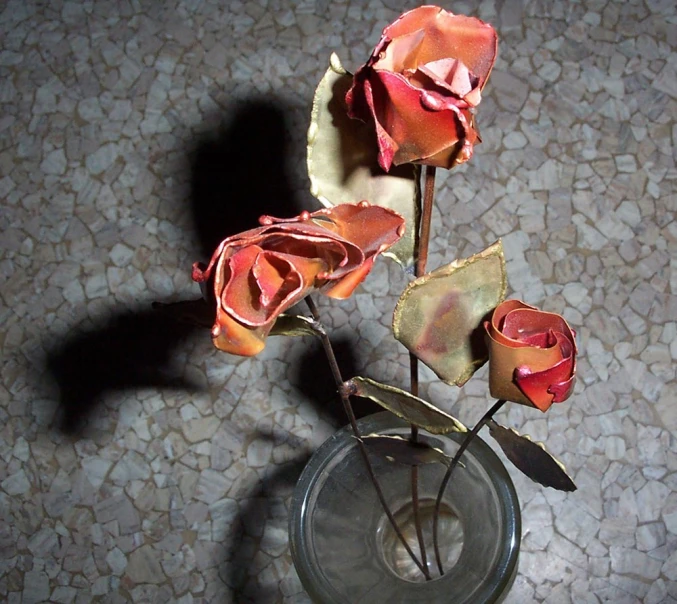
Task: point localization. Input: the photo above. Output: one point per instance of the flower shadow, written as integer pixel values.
(239, 172)
(131, 350)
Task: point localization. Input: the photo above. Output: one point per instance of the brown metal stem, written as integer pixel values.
(426, 219)
(421, 261)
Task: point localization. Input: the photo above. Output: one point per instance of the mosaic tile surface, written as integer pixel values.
(133, 134)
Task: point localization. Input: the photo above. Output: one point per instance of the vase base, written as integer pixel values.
(450, 536)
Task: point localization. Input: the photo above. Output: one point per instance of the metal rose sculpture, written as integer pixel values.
(258, 274)
(417, 94)
(532, 355)
(421, 85)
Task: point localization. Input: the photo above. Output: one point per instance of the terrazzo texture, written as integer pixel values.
(125, 150)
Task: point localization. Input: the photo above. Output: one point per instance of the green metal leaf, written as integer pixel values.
(294, 325)
(343, 166)
(531, 458)
(439, 316)
(402, 450)
(407, 406)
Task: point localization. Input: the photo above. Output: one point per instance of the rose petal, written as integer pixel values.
(367, 227)
(425, 133)
(401, 53)
(537, 359)
(231, 336)
(277, 288)
(498, 318)
(343, 288)
(563, 390)
(240, 297)
(447, 35)
(202, 272)
(270, 278)
(335, 252)
(416, 19)
(387, 147)
(536, 385)
(522, 323)
(454, 76)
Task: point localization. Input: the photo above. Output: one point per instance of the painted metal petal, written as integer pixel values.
(229, 335)
(536, 386)
(403, 109)
(447, 35)
(520, 323)
(240, 298)
(369, 227)
(439, 316)
(563, 390)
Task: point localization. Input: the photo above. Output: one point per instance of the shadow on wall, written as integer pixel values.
(131, 350)
(260, 528)
(312, 376)
(238, 173)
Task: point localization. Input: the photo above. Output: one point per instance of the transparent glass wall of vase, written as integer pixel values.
(345, 550)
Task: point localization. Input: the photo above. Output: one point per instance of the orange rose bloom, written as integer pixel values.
(421, 85)
(532, 355)
(258, 274)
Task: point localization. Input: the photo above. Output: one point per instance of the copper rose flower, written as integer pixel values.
(421, 85)
(532, 355)
(260, 273)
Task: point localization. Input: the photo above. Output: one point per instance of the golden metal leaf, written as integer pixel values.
(439, 316)
(402, 450)
(294, 325)
(343, 165)
(531, 458)
(405, 405)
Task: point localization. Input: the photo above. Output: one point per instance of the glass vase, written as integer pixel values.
(345, 550)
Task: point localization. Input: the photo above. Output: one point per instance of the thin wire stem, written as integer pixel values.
(345, 399)
(421, 261)
(454, 462)
(416, 505)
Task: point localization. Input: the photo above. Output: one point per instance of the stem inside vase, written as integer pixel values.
(345, 399)
(450, 531)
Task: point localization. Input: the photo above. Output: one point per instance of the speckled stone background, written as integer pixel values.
(137, 463)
